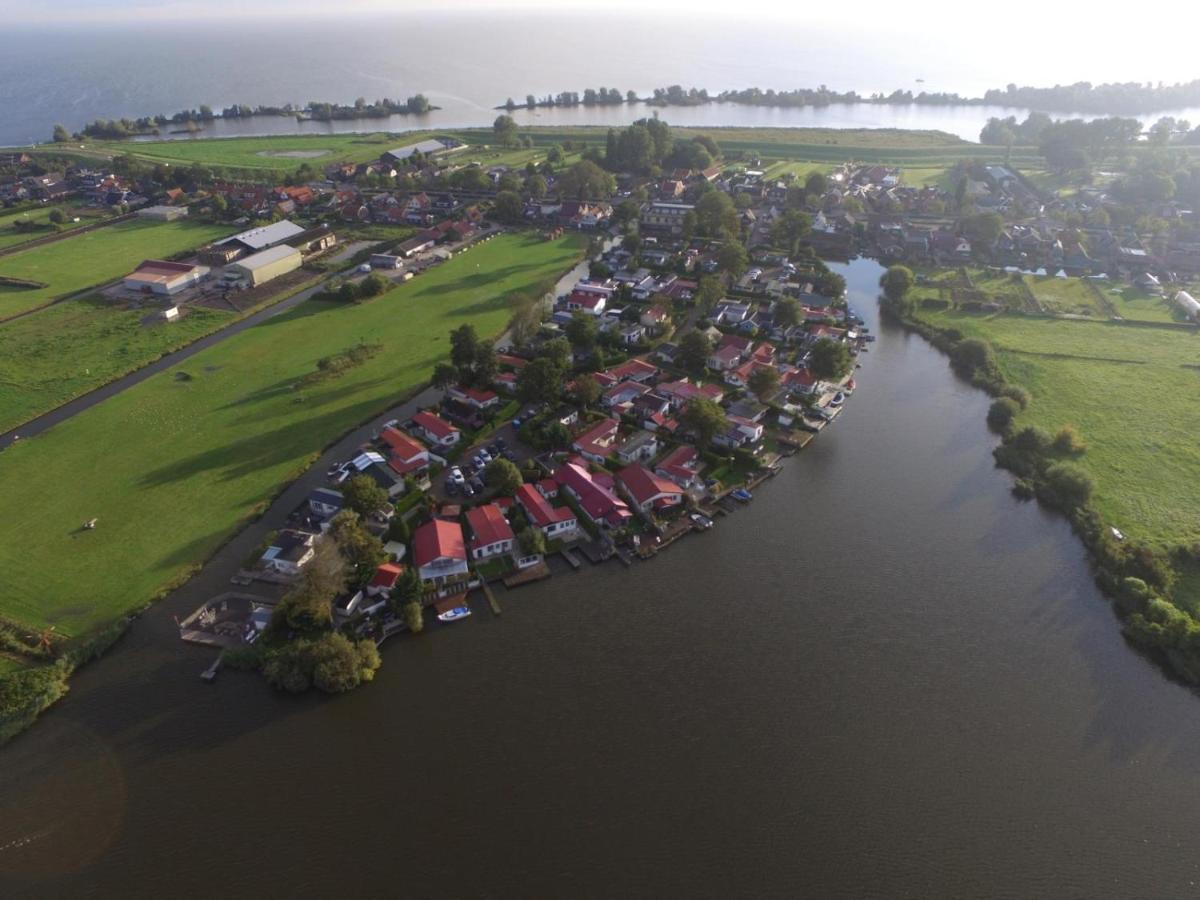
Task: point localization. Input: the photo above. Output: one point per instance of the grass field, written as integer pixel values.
(1066, 296)
(86, 260)
(175, 464)
(1131, 393)
(10, 237)
(1140, 306)
(58, 353)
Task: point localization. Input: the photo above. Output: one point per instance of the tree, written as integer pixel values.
(464, 343)
(716, 216)
(372, 286)
(816, 184)
(532, 541)
(694, 348)
(308, 605)
(61, 135)
(705, 418)
(362, 551)
(445, 375)
(341, 664)
(505, 130)
(790, 228)
(540, 381)
(787, 312)
(1070, 485)
(587, 391)
(733, 259)
(830, 360)
(582, 330)
(983, 228)
(896, 282)
(486, 365)
(1069, 441)
(507, 207)
(1001, 413)
(557, 350)
(414, 616)
(503, 476)
(57, 216)
(363, 495)
(407, 589)
(708, 292)
(764, 382)
(535, 185)
(586, 181)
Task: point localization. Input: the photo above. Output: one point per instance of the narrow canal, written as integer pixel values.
(883, 677)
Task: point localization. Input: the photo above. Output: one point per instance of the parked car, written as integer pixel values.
(451, 488)
(477, 461)
(456, 475)
(476, 483)
(468, 491)
(485, 456)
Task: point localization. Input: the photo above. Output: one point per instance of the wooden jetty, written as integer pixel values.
(527, 576)
(209, 675)
(570, 557)
(491, 598)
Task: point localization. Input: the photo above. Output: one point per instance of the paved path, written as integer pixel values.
(112, 388)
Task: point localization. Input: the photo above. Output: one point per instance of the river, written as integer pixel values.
(883, 677)
(76, 71)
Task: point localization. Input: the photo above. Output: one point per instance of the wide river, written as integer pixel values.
(883, 677)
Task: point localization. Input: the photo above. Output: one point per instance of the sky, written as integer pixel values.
(1135, 43)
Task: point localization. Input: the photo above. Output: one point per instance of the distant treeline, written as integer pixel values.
(1129, 98)
(195, 119)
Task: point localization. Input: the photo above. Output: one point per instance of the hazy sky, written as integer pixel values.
(1143, 37)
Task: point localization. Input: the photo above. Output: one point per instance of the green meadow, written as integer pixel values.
(175, 465)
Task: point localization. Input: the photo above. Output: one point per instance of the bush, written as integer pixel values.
(1001, 413)
(332, 663)
(1032, 439)
(1068, 485)
(1017, 393)
(1068, 441)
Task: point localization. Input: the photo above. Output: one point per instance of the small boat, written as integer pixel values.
(838, 399)
(741, 494)
(451, 615)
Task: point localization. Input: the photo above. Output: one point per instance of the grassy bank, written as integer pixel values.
(86, 260)
(40, 215)
(173, 466)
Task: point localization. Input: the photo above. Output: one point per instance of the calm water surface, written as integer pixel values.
(884, 677)
(468, 63)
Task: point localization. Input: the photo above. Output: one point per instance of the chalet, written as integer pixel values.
(598, 442)
(647, 491)
(665, 218)
(290, 551)
(491, 535)
(435, 429)
(655, 319)
(682, 466)
(724, 359)
(633, 370)
(440, 553)
(621, 396)
(678, 393)
(641, 446)
(554, 522)
(407, 455)
(593, 494)
(474, 397)
(325, 502)
(384, 580)
(632, 334)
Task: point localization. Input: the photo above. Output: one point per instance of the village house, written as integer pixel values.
(633, 370)
(435, 429)
(665, 218)
(594, 493)
(647, 491)
(491, 535)
(642, 445)
(682, 466)
(474, 397)
(621, 396)
(439, 553)
(325, 503)
(678, 393)
(384, 580)
(598, 441)
(407, 455)
(289, 553)
(554, 522)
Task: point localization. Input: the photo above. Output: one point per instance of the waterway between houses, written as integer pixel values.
(883, 677)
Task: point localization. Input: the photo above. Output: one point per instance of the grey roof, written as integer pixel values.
(265, 258)
(433, 145)
(266, 236)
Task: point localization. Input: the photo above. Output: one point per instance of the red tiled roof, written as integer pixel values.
(644, 486)
(438, 539)
(386, 575)
(403, 446)
(538, 508)
(632, 368)
(435, 425)
(599, 439)
(488, 526)
(598, 501)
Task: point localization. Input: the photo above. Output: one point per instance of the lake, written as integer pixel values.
(885, 676)
(469, 63)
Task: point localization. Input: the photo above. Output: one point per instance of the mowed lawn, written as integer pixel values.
(10, 237)
(175, 464)
(86, 260)
(1131, 392)
(58, 353)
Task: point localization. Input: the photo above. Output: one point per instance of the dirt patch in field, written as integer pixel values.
(293, 154)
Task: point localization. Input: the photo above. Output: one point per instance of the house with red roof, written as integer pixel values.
(435, 429)
(621, 396)
(440, 553)
(384, 579)
(633, 370)
(554, 521)
(678, 393)
(647, 491)
(740, 376)
(801, 381)
(474, 397)
(406, 455)
(741, 431)
(723, 359)
(682, 466)
(491, 535)
(598, 442)
(596, 498)
(586, 301)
